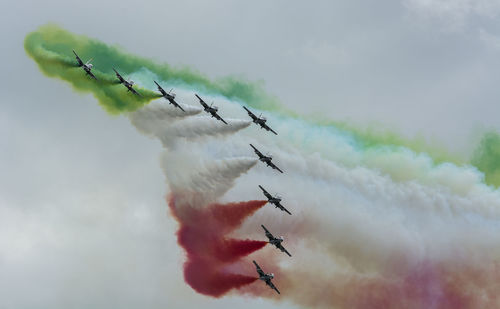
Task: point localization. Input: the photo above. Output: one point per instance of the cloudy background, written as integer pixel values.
(83, 221)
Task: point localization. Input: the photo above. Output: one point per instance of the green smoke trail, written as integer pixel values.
(50, 46)
(487, 158)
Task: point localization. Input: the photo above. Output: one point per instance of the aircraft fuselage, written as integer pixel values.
(274, 200)
(276, 241)
(265, 159)
(260, 121)
(211, 110)
(266, 277)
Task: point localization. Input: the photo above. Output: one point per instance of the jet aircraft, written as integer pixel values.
(169, 96)
(126, 83)
(87, 66)
(275, 200)
(212, 110)
(261, 121)
(266, 277)
(276, 241)
(266, 159)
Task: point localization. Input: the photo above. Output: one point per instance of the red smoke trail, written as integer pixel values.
(430, 285)
(203, 234)
(440, 286)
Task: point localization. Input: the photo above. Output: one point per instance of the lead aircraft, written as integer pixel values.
(87, 66)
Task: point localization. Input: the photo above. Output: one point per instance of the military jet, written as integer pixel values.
(126, 83)
(275, 200)
(276, 241)
(212, 110)
(87, 66)
(266, 159)
(261, 121)
(266, 277)
(168, 96)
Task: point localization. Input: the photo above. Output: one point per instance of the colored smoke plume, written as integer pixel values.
(379, 221)
(50, 46)
(204, 235)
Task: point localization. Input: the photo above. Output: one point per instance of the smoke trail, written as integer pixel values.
(50, 46)
(168, 124)
(209, 180)
(487, 157)
(375, 225)
(192, 129)
(158, 116)
(203, 234)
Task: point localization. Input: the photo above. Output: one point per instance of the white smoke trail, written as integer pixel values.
(356, 212)
(209, 179)
(171, 124)
(158, 115)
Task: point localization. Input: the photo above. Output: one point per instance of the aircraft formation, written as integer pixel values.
(213, 111)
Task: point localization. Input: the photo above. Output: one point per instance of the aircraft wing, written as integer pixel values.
(176, 104)
(160, 88)
(80, 62)
(219, 117)
(256, 151)
(119, 76)
(283, 208)
(271, 285)
(91, 75)
(259, 270)
(275, 167)
(203, 103)
(250, 113)
(284, 250)
(134, 91)
(265, 192)
(268, 234)
(265, 126)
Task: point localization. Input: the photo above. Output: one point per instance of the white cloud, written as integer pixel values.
(490, 40)
(454, 14)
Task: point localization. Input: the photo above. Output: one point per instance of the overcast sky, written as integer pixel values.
(83, 220)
